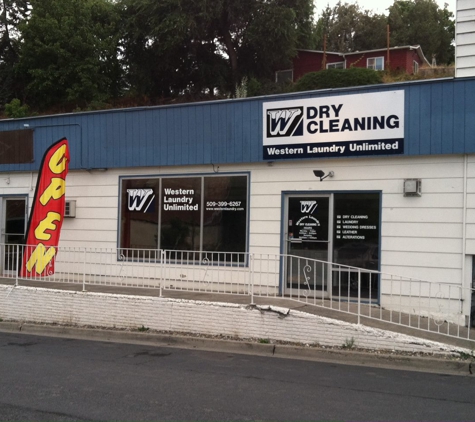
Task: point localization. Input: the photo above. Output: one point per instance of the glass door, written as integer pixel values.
(13, 226)
(308, 244)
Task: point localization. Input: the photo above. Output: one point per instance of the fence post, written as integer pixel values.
(162, 270)
(84, 273)
(17, 267)
(359, 295)
(251, 278)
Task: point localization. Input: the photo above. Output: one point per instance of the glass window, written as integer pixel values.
(356, 234)
(200, 214)
(284, 76)
(338, 65)
(139, 213)
(416, 67)
(225, 214)
(375, 63)
(180, 220)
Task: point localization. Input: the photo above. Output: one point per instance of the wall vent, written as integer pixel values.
(70, 209)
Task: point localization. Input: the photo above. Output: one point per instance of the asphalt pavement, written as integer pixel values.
(62, 379)
(441, 364)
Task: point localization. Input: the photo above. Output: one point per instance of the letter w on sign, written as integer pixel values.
(308, 207)
(138, 197)
(283, 122)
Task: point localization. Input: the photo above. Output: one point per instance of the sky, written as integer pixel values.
(377, 6)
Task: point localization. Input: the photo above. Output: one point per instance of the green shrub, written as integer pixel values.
(338, 78)
(143, 329)
(15, 110)
(349, 344)
(257, 87)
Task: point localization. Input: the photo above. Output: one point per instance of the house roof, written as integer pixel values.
(320, 51)
(417, 48)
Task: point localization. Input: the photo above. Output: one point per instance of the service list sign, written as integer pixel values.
(338, 126)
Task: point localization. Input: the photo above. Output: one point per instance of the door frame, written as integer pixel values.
(3, 205)
(284, 237)
(331, 193)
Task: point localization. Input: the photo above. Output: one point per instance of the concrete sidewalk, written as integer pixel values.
(324, 311)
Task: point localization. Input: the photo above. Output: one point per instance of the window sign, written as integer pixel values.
(139, 211)
(180, 225)
(308, 219)
(225, 214)
(356, 233)
(200, 213)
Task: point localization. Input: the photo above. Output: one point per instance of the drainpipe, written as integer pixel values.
(464, 223)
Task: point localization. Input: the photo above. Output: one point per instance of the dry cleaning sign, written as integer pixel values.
(346, 125)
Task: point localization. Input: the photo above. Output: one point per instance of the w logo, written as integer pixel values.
(308, 207)
(285, 122)
(138, 198)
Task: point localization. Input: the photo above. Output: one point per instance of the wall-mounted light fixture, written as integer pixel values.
(412, 187)
(321, 174)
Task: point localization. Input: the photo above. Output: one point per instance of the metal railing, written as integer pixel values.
(445, 308)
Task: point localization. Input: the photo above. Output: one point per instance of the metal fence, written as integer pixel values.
(445, 308)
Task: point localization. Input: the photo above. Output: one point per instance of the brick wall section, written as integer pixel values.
(121, 311)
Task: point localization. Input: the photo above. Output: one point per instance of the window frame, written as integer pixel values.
(332, 65)
(135, 255)
(415, 66)
(375, 66)
(283, 71)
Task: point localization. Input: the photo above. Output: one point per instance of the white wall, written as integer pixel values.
(465, 39)
(421, 236)
(183, 316)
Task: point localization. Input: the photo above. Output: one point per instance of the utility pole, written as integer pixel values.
(388, 63)
(324, 62)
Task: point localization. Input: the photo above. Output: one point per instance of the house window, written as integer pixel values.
(196, 214)
(337, 65)
(284, 76)
(375, 63)
(416, 67)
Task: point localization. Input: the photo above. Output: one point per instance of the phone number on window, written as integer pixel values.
(223, 204)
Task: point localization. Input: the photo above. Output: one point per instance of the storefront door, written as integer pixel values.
(13, 226)
(308, 244)
(341, 228)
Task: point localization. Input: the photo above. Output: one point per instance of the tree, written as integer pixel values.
(12, 13)
(70, 52)
(424, 23)
(211, 45)
(348, 28)
(163, 54)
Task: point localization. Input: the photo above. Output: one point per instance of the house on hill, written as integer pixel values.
(407, 59)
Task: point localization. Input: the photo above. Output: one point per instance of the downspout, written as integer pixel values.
(464, 225)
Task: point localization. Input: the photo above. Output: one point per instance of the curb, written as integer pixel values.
(345, 357)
